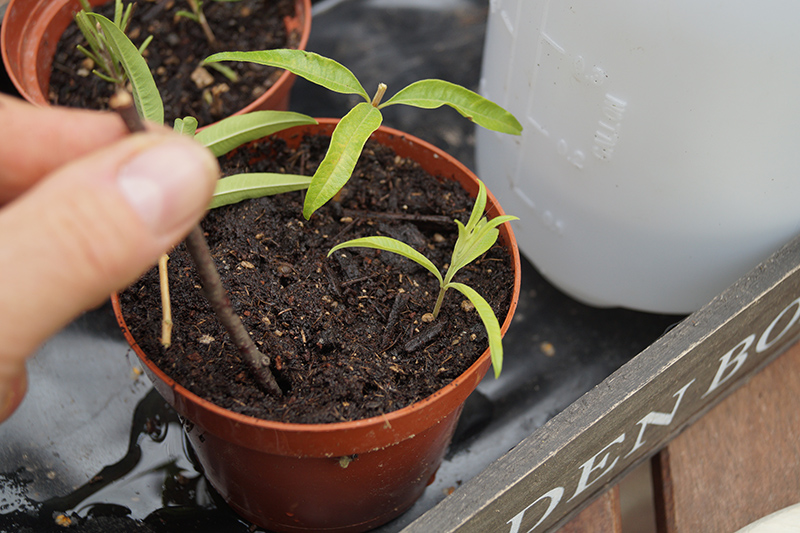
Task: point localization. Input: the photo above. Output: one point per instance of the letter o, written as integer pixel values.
(763, 343)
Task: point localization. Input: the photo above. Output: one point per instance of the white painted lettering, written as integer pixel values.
(589, 466)
(764, 343)
(658, 419)
(738, 361)
(554, 496)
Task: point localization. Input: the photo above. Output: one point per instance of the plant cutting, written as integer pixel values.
(346, 475)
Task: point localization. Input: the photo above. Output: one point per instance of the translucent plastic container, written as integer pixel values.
(660, 159)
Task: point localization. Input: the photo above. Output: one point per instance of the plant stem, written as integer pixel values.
(122, 103)
(201, 19)
(166, 307)
(196, 244)
(376, 100)
(439, 300)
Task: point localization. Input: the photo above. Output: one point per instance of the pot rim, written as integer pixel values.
(392, 421)
(301, 21)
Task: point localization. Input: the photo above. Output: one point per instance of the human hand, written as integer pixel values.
(85, 208)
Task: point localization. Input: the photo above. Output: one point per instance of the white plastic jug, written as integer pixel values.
(660, 159)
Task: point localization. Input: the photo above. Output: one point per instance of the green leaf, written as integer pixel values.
(347, 141)
(477, 208)
(467, 251)
(430, 94)
(87, 29)
(240, 187)
(126, 18)
(225, 70)
(471, 246)
(145, 44)
(103, 76)
(118, 14)
(231, 132)
(308, 65)
(185, 126)
(490, 322)
(145, 93)
(391, 245)
(187, 14)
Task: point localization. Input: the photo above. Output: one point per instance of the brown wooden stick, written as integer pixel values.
(122, 103)
(215, 294)
(198, 249)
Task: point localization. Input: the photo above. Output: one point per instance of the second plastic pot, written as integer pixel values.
(32, 28)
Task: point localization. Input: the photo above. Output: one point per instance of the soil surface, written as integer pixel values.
(177, 48)
(345, 333)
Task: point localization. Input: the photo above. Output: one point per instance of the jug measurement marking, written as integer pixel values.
(607, 134)
(603, 133)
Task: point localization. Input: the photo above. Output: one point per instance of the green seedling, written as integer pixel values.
(105, 57)
(474, 240)
(364, 118)
(196, 14)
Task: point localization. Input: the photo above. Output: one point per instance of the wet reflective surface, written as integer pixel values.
(94, 446)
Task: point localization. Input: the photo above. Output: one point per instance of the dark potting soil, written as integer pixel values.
(177, 48)
(345, 333)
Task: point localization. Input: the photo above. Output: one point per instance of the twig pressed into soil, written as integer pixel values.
(196, 244)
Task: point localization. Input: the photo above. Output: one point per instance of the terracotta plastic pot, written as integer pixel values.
(347, 476)
(32, 28)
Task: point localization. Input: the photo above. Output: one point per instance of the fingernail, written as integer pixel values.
(168, 183)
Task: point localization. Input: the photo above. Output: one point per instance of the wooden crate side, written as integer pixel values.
(553, 474)
(741, 461)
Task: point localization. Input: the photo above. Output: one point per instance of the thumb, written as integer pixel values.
(91, 228)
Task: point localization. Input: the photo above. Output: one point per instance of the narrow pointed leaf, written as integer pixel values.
(390, 245)
(430, 94)
(229, 133)
(493, 331)
(86, 28)
(187, 14)
(145, 93)
(472, 245)
(126, 17)
(347, 141)
(239, 187)
(145, 44)
(313, 67)
(477, 208)
(476, 249)
(486, 227)
(225, 70)
(118, 14)
(104, 77)
(462, 231)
